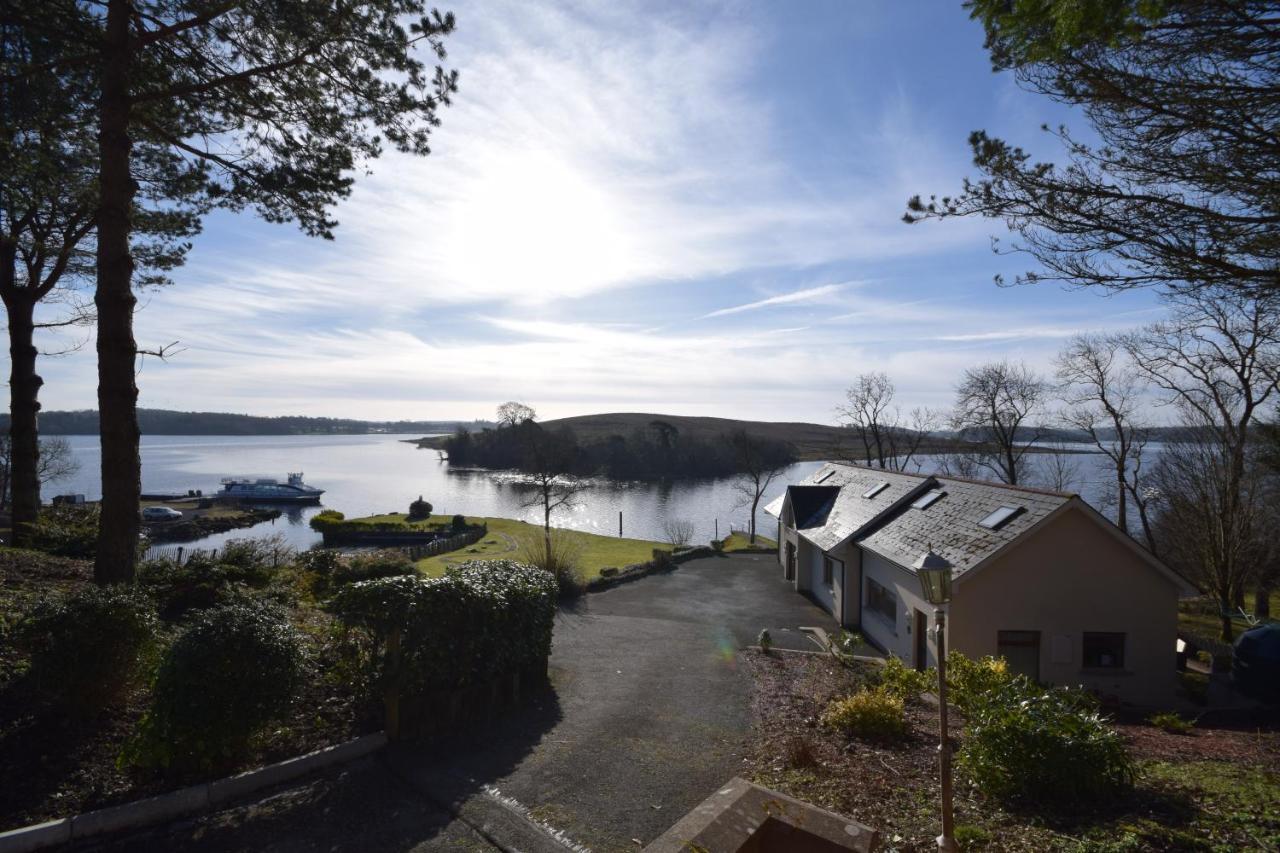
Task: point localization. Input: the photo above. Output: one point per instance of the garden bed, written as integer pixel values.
(1212, 790)
(52, 765)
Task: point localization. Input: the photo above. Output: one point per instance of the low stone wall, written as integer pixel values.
(663, 561)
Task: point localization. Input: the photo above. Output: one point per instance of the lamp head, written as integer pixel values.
(935, 577)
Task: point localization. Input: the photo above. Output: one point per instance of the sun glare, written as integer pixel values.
(533, 224)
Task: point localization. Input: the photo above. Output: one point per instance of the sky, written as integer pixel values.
(685, 208)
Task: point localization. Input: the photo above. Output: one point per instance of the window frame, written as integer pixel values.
(1119, 637)
(828, 571)
(877, 597)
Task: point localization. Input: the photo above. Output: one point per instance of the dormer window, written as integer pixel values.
(876, 489)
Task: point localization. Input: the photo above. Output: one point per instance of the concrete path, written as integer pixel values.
(648, 715)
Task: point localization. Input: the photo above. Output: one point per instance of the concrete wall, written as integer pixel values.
(896, 637)
(818, 588)
(1070, 577)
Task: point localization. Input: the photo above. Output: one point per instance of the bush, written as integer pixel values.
(1026, 745)
(177, 589)
(255, 561)
(969, 680)
(481, 620)
(69, 530)
(459, 524)
(876, 714)
(902, 681)
(234, 670)
(89, 648)
(1170, 722)
(419, 510)
(717, 545)
(326, 518)
(848, 642)
(387, 563)
(560, 555)
(319, 561)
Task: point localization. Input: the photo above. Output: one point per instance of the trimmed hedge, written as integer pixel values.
(331, 521)
(480, 620)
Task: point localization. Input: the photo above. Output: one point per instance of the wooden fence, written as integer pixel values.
(440, 546)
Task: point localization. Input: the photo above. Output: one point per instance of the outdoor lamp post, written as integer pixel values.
(935, 583)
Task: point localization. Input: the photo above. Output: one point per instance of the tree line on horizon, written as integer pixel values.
(124, 122)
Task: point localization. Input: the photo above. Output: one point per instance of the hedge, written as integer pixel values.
(479, 621)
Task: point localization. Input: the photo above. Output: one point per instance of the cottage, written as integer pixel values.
(1040, 578)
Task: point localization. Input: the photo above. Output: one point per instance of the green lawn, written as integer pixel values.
(507, 536)
(1200, 616)
(741, 542)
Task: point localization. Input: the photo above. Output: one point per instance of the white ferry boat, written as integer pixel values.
(270, 490)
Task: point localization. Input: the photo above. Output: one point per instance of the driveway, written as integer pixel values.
(650, 709)
(648, 716)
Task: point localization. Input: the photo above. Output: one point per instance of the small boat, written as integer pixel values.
(270, 490)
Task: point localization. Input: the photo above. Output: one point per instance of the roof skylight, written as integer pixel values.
(928, 499)
(1000, 517)
(876, 489)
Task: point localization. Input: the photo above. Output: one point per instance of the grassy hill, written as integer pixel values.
(812, 441)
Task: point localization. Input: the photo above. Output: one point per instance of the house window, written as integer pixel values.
(882, 601)
(1103, 650)
(828, 569)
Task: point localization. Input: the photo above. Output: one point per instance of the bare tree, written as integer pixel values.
(1102, 394)
(760, 461)
(1218, 359)
(512, 414)
(867, 405)
(56, 461)
(1061, 468)
(549, 464)
(679, 531)
(997, 401)
(884, 436)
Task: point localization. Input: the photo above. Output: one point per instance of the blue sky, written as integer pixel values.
(691, 209)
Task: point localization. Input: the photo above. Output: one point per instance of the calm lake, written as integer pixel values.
(365, 474)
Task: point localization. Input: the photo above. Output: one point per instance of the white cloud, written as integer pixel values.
(807, 296)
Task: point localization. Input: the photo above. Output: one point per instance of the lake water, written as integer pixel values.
(366, 474)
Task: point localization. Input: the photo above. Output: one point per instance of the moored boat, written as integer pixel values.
(270, 490)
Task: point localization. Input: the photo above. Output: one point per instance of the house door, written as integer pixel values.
(920, 630)
(1021, 650)
(791, 562)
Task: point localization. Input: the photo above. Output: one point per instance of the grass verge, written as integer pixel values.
(506, 536)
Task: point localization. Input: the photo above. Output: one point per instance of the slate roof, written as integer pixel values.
(850, 513)
(951, 524)
(889, 526)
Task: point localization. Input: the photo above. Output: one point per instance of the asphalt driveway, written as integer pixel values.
(651, 705)
(648, 715)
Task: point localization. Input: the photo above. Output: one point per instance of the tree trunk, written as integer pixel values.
(1228, 630)
(1262, 602)
(754, 503)
(24, 442)
(117, 350)
(1122, 502)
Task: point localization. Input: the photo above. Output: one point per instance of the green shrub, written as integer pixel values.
(481, 620)
(717, 545)
(875, 714)
(388, 563)
(255, 561)
(177, 589)
(848, 642)
(89, 648)
(319, 561)
(419, 510)
(558, 554)
(1171, 722)
(969, 837)
(326, 519)
(459, 524)
(1027, 745)
(904, 682)
(69, 530)
(234, 670)
(968, 680)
